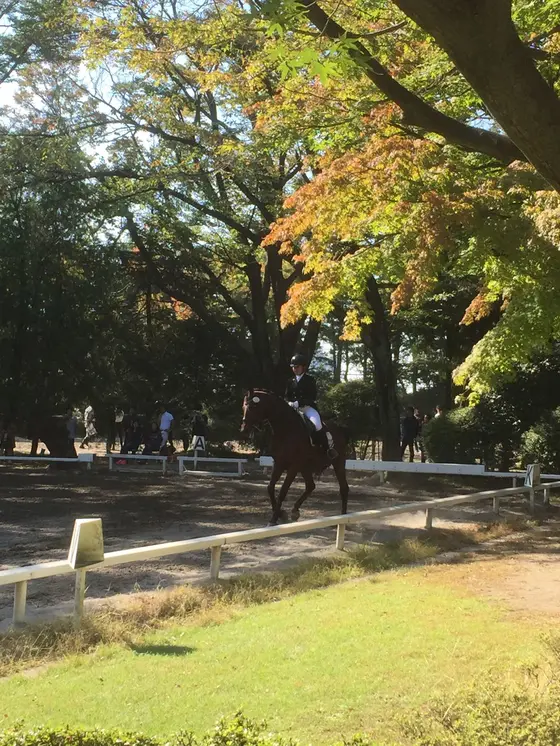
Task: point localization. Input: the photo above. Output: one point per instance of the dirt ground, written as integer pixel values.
(38, 506)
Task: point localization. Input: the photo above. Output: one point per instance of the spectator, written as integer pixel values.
(89, 421)
(199, 428)
(111, 428)
(152, 440)
(119, 426)
(427, 418)
(3, 438)
(409, 431)
(418, 417)
(165, 420)
(71, 425)
(132, 432)
(439, 411)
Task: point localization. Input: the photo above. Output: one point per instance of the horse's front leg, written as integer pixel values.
(290, 476)
(274, 477)
(309, 487)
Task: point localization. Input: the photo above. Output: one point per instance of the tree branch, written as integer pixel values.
(416, 111)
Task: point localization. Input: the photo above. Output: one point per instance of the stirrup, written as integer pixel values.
(332, 453)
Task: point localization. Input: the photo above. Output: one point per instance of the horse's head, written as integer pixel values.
(254, 410)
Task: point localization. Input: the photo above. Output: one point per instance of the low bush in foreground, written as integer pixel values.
(239, 731)
(487, 714)
(491, 714)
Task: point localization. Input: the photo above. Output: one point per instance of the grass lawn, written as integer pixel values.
(316, 666)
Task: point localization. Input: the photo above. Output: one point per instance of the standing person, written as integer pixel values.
(119, 427)
(198, 428)
(165, 420)
(418, 418)
(427, 418)
(409, 432)
(111, 428)
(89, 421)
(301, 394)
(439, 411)
(71, 425)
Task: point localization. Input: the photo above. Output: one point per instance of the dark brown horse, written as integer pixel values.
(292, 450)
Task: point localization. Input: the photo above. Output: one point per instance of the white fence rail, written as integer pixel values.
(209, 460)
(116, 457)
(83, 458)
(20, 576)
(475, 470)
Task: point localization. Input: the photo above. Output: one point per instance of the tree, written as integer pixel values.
(475, 35)
(198, 184)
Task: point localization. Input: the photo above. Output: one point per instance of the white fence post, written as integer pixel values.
(531, 500)
(496, 505)
(340, 531)
(546, 496)
(79, 594)
(20, 600)
(215, 562)
(429, 518)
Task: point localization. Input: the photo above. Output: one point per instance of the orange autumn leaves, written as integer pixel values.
(391, 208)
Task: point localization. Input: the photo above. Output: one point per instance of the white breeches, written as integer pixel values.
(312, 415)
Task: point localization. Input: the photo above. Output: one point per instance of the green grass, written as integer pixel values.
(316, 666)
(36, 645)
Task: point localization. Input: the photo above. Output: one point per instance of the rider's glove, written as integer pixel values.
(294, 404)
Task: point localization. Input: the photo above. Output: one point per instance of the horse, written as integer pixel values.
(292, 450)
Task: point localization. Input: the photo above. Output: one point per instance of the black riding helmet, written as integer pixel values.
(298, 360)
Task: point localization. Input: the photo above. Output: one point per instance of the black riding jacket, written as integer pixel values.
(303, 391)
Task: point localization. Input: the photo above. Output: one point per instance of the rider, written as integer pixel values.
(301, 394)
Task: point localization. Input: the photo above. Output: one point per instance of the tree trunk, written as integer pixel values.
(377, 339)
(481, 39)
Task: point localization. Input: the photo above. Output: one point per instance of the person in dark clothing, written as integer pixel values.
(301, 394)
(152, 439)
(409, 432)
(427, 418)
(132, 432)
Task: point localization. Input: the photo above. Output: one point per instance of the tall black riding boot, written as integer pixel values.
(323, 441)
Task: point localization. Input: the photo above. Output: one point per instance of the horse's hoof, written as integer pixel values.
(295, 515)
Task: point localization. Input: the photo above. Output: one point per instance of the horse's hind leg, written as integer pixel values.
(309, 487)
(290, 476)
(339, 466)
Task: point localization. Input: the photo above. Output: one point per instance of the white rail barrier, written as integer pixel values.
(475, 470)
(136, 457)
(83, 458)
(207, 459)
(20, 576)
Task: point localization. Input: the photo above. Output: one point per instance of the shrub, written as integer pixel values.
(484, 432)
(490, 713)
(238, 731)
(353, 404)
(541, 443)
(453, 438)
(76, 737)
